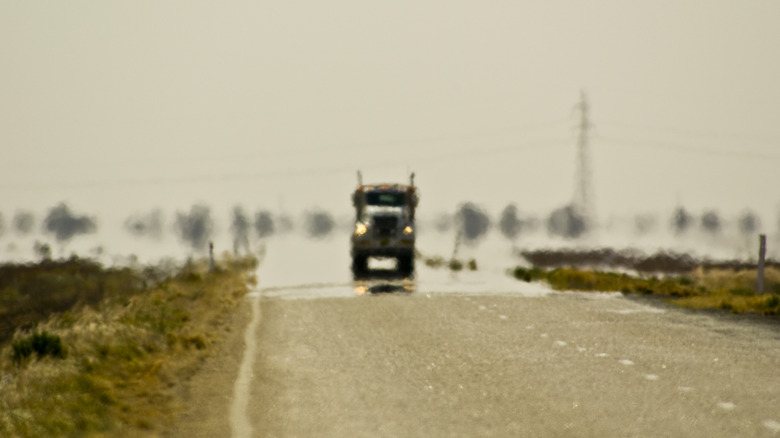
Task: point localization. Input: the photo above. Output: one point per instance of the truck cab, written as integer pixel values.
(384, 225)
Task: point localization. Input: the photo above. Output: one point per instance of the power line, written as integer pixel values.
(713, 135)
(438, 157)
(182, 157)
(655, 145)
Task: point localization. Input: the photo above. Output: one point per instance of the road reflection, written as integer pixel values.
(381, 281)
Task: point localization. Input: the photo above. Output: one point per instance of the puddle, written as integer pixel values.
(306, 291)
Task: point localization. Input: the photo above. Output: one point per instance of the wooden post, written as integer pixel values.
(761, 256)
(211, 256)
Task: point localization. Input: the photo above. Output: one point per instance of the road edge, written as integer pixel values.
(240, 426)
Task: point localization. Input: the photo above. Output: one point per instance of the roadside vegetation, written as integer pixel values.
(453, 264)
(92, 351)
(700, 288)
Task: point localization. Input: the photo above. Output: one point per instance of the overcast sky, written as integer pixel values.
(117, 106)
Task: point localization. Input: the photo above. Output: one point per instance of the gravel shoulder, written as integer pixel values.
(209, 393)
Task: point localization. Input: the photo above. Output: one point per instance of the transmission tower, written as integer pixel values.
(583, 192)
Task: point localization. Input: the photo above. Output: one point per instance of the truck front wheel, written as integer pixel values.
(359, 264)
(406, 264)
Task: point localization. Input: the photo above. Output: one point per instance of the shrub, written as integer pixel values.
(528, 275)
(42, 344)
(456, 265)
(771, 305)
(435, 262)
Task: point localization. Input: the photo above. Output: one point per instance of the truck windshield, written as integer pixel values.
(390, 199)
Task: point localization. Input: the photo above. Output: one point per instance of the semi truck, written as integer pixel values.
(384, 225)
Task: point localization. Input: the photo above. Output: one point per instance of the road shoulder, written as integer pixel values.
(208, 394)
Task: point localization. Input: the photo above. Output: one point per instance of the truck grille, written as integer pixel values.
(385, 225)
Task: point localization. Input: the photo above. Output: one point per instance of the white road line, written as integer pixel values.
(727, 406)
(772, 425)
(239, 419)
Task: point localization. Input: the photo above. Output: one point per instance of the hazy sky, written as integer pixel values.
(115, 106)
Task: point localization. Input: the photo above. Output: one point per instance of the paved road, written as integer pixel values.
(457, 358)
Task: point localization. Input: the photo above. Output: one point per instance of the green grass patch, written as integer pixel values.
(109, 359)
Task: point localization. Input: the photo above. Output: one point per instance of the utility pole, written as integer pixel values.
(761, 259)
(583, 193)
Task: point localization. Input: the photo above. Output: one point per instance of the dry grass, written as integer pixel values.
(729, 279)
(126, 355)
(729, 289)
(453, 264)
(762, 304)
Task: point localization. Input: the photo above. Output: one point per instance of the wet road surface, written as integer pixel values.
(481, 354)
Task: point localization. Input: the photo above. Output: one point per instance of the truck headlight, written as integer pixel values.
(408, 230)
(360, 229)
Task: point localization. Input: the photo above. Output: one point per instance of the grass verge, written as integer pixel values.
(110, 357)
(728, 289)
(453, 264)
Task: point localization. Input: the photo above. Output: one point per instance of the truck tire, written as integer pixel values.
(359, 265)
(406, 264)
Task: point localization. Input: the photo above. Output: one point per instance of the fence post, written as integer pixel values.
(761, 256)
(211, 256)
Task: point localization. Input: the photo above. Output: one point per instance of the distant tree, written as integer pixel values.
(42, 250)
(566, 222)
(264, 224)
(65, 225)
(778, 224)
(240, 228)
(319, 224)
(509, 224)
(284, 223)
(472, 221)
(443, 222)
(195, 227)
(711, 222)
(145, 224)
(749, 223)
(23, 222)
(644, 223)
(681, 220)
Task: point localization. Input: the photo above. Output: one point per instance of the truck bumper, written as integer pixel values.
(402, 247)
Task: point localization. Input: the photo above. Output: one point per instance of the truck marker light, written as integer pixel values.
(408, 230)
